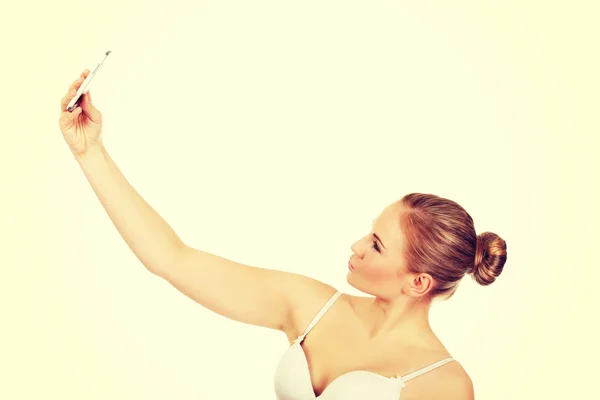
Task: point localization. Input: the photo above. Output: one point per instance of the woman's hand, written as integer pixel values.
(82, 127)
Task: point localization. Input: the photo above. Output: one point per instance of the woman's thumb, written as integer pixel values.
(76, 113)
(88, 107)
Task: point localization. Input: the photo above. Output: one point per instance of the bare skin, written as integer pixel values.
(386, 332)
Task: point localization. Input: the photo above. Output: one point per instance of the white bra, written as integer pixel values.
(293, 382)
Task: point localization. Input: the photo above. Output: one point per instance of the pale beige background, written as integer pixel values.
(272, 132)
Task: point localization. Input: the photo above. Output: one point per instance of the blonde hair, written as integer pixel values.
(441, 241)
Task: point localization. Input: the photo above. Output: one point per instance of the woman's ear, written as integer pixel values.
(420, 285)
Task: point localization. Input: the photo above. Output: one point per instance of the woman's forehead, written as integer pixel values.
(387, 226)
(388, 217)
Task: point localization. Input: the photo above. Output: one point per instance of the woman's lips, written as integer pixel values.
(350, 266)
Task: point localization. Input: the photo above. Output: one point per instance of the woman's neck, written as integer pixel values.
(399, 316)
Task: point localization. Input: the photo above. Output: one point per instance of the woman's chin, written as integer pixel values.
(350, 278)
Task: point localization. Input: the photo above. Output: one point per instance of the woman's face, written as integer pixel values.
(377, 266)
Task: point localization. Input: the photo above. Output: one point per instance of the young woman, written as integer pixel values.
(379, 346)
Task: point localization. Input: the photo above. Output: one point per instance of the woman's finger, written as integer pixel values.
(64, 102)
(78, 82)
(67, 98)
(75, 85)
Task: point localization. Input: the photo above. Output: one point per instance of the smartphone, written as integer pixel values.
(85, 85)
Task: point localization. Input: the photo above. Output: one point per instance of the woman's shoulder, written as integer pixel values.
(451, 381)
(316, 296)
(307, 305)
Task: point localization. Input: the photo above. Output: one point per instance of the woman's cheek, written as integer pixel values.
(378, 273)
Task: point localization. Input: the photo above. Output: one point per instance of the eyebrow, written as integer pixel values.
(379, 239)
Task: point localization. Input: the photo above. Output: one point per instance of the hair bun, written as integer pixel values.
(490, 257)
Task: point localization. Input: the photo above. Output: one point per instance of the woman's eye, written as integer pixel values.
(375, 245)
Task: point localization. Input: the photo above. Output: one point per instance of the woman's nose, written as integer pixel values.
(356, 248)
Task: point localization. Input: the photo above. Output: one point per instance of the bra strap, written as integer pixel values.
(424, 370)
(316, 319)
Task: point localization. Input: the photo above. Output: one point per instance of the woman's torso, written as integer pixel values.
(335, 358)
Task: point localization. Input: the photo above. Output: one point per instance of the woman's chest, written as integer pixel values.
(331, 360)
(295, 379)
